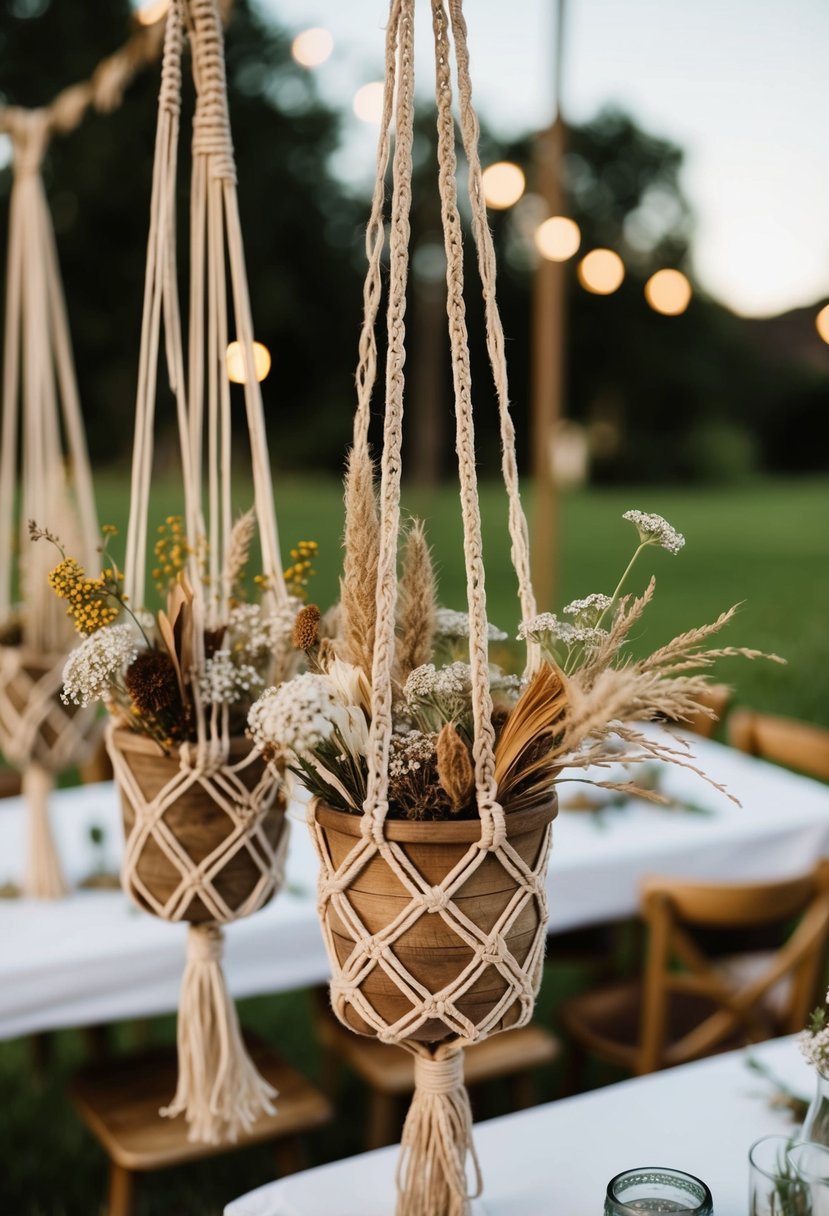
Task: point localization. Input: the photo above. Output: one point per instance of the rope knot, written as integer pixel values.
(29, 130)
(205, 944)
(435, 899)
(211, 121)
(439, 1076)
(373, 949)
(204, 759)
(493, 951)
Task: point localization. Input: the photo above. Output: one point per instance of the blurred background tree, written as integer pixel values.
(707, 395)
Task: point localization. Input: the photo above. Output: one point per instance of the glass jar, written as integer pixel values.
(816, 1124)
(657, 1189)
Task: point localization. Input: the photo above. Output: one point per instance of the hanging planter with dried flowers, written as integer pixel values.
(204, 816)
(433, 778)
(39, 734)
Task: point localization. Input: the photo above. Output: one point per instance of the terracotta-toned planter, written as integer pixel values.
(202, 829)
(430, 949)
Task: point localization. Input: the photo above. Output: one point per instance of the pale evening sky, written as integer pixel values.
(741, 85)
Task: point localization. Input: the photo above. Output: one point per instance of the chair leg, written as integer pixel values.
(97, 1042)
(574, 1070)
(330, 1070)
(522, 1090)
(290, 1155)
(382, 1120)
(121, 1191)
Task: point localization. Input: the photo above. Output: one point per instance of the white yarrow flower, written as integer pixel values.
(93, 667)
(455, 625)
(654, 530)
(588, 610)
(547, 629)
(224, 682)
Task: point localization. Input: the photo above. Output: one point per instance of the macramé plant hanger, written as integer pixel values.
(435, 930)
(44, 465)
(205, 818)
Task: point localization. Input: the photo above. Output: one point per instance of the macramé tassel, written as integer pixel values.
(437, 1138)
(43, 877)
(219, 1090)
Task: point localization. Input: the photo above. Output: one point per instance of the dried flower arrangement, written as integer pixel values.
(142, 665)
(814, 1040)
(581, 691)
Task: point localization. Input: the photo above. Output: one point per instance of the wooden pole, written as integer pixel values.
(549, 310)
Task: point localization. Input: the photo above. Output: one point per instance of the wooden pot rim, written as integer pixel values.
(127, 740)
(437, 831)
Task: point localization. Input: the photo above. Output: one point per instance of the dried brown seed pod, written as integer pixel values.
(455, 770)
(306, 627)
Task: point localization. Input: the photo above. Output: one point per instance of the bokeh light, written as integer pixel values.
(558, 238)
(601, 271)
(822, 323)
(503, 185)
(236, 362)
(668, 292)
(368, 102)
(148, 14)
(312, 47)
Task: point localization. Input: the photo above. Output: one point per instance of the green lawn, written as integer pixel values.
(766, 545)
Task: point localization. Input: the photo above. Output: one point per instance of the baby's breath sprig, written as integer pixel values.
(298, 575)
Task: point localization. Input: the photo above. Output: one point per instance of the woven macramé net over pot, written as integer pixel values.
(407, 957)
(202, 848)
(35, 725)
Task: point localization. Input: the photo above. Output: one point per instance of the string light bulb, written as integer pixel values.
(150, 13)
(503, 184)
(822, 323)
(368, 102)
(558, 238)
(669, 292)
(312, 47)
(235, 360)
(601, 271)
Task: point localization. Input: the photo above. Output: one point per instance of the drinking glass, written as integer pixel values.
(775, 1187)
(810, 1162)
(657, 1189)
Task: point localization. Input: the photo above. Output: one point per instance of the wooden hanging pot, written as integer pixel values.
(434, 949)
(212, 853)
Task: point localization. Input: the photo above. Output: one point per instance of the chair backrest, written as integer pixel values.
(680, 916)
(10, 783)
(716, 699)
(798, 745)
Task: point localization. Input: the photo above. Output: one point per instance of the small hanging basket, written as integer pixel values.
(201, 846)
(44, 475)
(36, 727)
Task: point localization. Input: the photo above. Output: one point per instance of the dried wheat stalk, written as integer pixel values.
(417, 601)
(362, 553)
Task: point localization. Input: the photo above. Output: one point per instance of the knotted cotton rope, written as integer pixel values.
(38, 734)
(437, 1135)
(219, 780)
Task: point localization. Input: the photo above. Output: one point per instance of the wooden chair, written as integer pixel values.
(717, 700)
(693, 999)
(388, 1071)
(119, 1100)
(797, 745)
(10, 783)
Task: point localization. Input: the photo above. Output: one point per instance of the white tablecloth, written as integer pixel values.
(556, 1160)
(94, 958)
